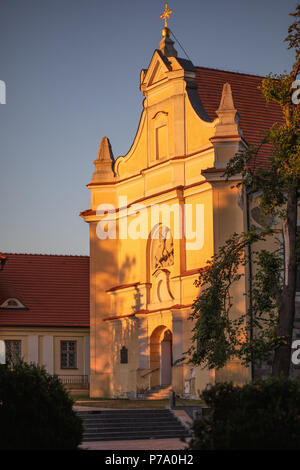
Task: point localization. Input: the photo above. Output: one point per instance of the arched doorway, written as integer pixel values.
(161, 357)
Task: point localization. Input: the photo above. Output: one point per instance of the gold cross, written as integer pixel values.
(166, 15)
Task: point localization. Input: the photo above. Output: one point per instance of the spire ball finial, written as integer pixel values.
(165, 33)
(165, 16)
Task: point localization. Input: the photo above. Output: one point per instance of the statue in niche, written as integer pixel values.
(162, 249)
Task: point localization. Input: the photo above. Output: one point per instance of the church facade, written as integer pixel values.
(157, 215)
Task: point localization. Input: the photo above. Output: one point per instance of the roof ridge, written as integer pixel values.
(230, 71)
(45, 254)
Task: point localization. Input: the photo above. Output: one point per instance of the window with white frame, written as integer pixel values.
(68, 354)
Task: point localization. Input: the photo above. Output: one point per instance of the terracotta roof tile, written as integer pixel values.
(255, 115)
(55, 290)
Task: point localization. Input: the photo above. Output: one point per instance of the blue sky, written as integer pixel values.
(72, 69)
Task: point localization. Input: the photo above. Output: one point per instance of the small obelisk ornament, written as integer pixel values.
(104, 164)
(166, 44)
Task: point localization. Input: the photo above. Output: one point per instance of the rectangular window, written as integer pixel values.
(124, 355)
(68, 354)
(12, 351)
(161, 142)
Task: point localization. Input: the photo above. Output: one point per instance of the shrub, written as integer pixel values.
(261, 415)
(35, 410)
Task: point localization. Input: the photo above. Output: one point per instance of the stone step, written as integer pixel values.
(125, 412)
(154, 397)
(159, 389)
(149, 398)
(124, 426)
(124, 431)
(157, 394)
(130, 424)
(125, 415)
(132, 438)
(165, 434)
(120, 421)
(125, 419)
(132, 418)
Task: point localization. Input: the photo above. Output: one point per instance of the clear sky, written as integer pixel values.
(72, 69)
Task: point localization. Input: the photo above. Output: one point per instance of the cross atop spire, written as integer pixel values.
(166, 14)
(166, 45)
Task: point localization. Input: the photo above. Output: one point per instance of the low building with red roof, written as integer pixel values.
(44, 313)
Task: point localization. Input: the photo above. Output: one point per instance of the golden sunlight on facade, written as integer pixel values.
(142, 287)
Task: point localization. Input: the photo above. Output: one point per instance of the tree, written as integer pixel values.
(264, 415)
(267, 325)
(35, 410)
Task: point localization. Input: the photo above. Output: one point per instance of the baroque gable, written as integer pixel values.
(173, 122)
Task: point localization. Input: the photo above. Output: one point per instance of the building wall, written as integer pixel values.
(41, 345)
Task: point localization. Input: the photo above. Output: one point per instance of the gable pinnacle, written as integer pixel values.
(105, 152)
(104, 164)
(228, 115)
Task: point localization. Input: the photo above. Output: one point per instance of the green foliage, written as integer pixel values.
(293, 38)
(274, 182)
(261, 415)
(35, 410)
(215, 334)
(219, 336)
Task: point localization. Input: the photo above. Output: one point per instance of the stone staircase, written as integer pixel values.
(114, 425)
(156, 393)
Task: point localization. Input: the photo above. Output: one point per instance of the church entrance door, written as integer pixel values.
(161, 357)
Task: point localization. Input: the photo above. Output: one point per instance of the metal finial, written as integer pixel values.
(165, 16)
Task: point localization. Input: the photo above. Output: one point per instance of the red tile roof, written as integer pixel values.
(55, 290)
(255, 116)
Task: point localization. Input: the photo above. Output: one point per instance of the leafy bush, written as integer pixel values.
(261, 415)
(35, 410)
